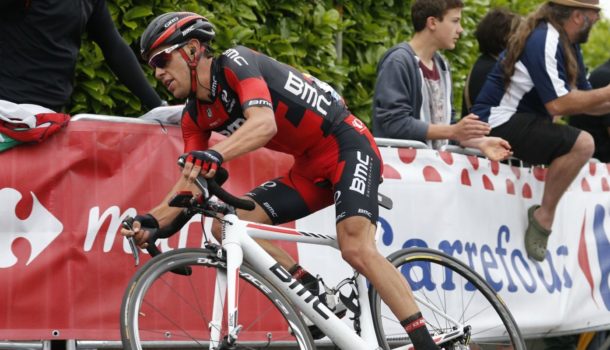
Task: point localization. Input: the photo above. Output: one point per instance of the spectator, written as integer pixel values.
(40, 43)
(598, 127)
(492, 34)
(413, 92)
(542, 75)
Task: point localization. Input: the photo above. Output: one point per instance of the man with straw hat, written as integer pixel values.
(542, 75)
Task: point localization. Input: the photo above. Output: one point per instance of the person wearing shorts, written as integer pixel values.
(257, 102)
(540, 76)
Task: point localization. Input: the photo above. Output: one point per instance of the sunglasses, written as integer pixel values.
(162, 58)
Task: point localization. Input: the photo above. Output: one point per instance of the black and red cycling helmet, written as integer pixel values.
(173, 28)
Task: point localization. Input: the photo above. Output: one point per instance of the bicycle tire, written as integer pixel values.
(162, 309)
(411, 262)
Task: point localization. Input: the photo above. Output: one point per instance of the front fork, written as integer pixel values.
(215, 324)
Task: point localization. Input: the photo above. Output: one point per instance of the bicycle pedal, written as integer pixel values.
(451, 341)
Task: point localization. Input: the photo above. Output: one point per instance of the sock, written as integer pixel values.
(306, 279)
(415, 325)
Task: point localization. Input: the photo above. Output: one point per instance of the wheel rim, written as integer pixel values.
(176, 310)
(455, 295)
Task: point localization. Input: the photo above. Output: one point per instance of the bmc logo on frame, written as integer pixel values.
(40, 228)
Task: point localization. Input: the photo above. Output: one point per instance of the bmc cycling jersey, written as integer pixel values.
(335, 155)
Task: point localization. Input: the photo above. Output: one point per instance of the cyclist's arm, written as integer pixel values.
(163, 214)
(166, 214)
(258, 129)
(194, 138)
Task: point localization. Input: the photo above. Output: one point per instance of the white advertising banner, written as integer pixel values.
(476, 211)
(64, 267)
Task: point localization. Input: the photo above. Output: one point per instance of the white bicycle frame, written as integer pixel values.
(238, 242)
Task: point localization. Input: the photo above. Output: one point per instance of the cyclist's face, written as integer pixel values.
(171, 70)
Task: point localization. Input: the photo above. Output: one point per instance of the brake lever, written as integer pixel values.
(128, 225)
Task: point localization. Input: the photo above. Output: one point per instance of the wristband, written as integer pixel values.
(147, 221)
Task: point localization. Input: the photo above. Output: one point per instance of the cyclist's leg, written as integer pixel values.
(288, 198)
(356, 241)
(356, 236)
(281, 200)
(357, 175)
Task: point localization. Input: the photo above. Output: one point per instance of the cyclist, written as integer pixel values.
(259, 102)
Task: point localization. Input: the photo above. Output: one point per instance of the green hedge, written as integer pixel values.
(337, 41)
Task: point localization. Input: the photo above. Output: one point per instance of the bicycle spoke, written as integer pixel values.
(164, 315)
(448, 291)
(169, 310)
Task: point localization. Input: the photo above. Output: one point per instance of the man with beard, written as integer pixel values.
(540, 76)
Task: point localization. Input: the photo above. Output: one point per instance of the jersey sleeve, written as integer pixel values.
(245, 78)
(544, 60)
(194, 138)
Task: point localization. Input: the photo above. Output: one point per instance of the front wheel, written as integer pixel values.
(162, 309)
(447, 289)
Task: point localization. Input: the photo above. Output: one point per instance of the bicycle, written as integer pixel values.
(189, 297)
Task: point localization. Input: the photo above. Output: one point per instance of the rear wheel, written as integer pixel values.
(165, 310)
(451, 287)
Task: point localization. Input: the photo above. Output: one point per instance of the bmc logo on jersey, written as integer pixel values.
(231, 128)
(307, 93)
(356, 123)
(361, 174)
(235, 57)
(228, 102)
(40, 229)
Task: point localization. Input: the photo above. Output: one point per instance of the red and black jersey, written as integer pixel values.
(306, 109)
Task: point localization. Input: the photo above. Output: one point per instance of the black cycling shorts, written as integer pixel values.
(536, 139)
(344, 169)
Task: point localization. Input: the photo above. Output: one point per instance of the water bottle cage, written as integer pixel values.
(335, 299)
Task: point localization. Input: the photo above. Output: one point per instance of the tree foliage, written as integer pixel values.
(338, 41)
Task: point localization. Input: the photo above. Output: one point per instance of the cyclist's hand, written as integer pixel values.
(141, 227)
(202, 162)
(495, 148)
(469, 127)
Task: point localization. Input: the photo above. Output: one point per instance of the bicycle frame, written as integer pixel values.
(238, 241)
